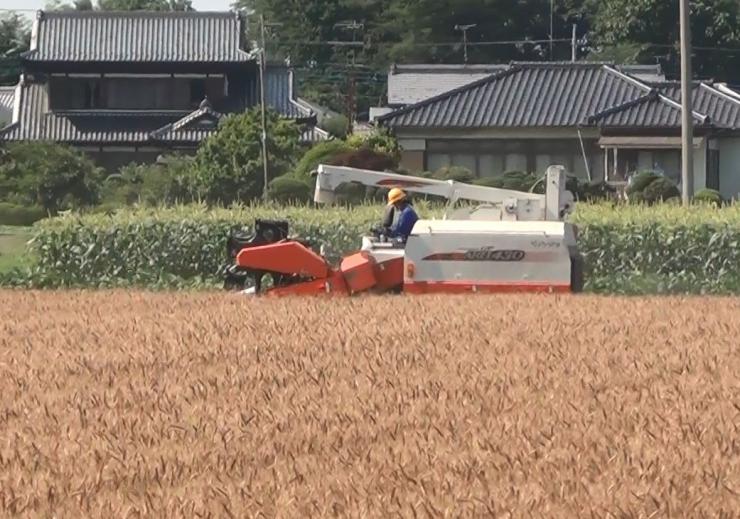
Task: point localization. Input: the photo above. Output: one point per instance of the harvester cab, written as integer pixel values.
(509, 241)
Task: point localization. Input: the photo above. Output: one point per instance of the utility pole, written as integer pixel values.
(573, 44)
(464, 29)
(551, 27)
(687, 128)
(353, 25)
(263, 59)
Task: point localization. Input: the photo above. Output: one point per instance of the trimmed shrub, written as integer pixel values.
(322, 153)
(337, 126)
(289, 189)
(456, 173)
(659, 190)
(649, 187)
(640, 181)
(516, 180)
(379, 140)
(594, 191)
(364, 158)
(709, 196)
(11, 214)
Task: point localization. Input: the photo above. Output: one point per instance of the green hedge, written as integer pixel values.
(628, 249)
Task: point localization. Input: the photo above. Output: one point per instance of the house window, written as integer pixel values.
(197, 91)
(515, 162)
(76, 93)
(490, 165)
(92, 98)
(465, 160)
(437, 161)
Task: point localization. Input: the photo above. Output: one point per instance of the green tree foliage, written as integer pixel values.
(321, 153)
(399, 31)
(423, 31)
(164, 183)
(228, 166)
(15, 38)
(650, 28)
(337, 126)
(289, 189)
(53, 176)
(379, 140)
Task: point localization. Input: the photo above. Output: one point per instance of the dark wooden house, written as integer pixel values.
(128, 86)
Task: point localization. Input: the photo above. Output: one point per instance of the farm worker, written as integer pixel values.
(405, 216)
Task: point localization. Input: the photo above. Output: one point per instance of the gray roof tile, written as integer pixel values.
(7, 97)
(722, 109)
(565, 95)
(137, 36)
(279, 93)
(652, 110)
(524, 95)
(409, 84)
(192, 128)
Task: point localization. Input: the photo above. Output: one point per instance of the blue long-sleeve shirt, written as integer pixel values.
(403, 225)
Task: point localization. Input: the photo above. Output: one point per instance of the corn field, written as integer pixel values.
(627, 249)
(133, 404)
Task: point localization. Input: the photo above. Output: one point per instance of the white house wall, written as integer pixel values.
(729, 167)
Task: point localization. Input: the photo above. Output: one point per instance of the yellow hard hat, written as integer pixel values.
(395, 194)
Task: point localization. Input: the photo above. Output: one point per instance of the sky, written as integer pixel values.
(29, 7)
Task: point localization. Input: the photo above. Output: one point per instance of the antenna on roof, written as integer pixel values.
(464, 29)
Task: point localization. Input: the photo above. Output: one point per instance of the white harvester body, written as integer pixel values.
(510, 241)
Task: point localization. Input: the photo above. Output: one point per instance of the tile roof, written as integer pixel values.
(566, 94)
(409, 84)
(137, 36)
(279, 84)
(7, 97)
(192, 128)
(314, 134)
(525, 94)
(722, 109)
(651, 110)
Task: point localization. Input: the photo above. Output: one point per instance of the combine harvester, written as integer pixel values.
(511, 241)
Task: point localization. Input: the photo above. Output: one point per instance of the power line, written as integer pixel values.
(422, 44)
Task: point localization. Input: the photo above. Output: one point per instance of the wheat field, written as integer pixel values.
(132, 404)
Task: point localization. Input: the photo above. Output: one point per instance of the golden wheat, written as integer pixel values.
(126, 404)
